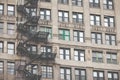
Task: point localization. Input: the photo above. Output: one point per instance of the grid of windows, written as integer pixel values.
(45, 14)
(113, 76)
(1, 9)
(98, 75)
(94, 3)
(111, 58)
(63, 1)
(110, 39)
(11, 10)
(79, 55)
(96, 38)
(108, 4)
(10, 28)
(10, 48)
(65, 53)
(47, 29)
(78, 36)
(77, 17)
(11, 68)
(109, 21)
(97, 56)
(65, 73)
(95, 20)
(47, 72)
(1, 67)
(77, 2)
(64, 34)
(80, 74)
(63, 16)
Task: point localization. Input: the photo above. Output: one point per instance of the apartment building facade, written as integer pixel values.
(84, 34)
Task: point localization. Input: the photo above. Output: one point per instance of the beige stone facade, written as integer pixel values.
(88, 65)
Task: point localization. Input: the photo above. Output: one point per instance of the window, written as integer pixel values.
(63, 1)
(77, 17)
(98, 75)
(108, 4)
(63, 16)
(11, 68)
(79, 55)
(46, 49)
(1, 67)
(110, 39)
(47, 72)
(1, 9)
(1, 27)
(64, 34)
(45, 0)
(109, 21)
(11, 10)
(10, 28)
(95, 20)
(65, 74)
(94, 3)
(33, 68)
(11, 48)
(77, 2)
(111, 58)
(45, 14)
(97, 38)
(31, 11)
(80, 74)
(1, 47)
(32, 49)
(113, 76)
(78, 36)
(47, 29)
(65, 53)
(97, 56)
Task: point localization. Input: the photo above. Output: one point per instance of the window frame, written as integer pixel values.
(1, 27)
(11, 69)
(107, 5)
(1, 46)
(111, 60)
(96, 58)
(45, 14)
(78, 56)
(77, 19)
(1, 67)
(93, 4)
(13, 50)
(2, 10)
(62, 16)
(64, 55)
(63, 35)
(96, 39)
(65, 2)
(112, 75)
(78, 36)
(95, 22)
(75, 3)
(108, 22)
(80, 74)
(8, 11)
(110, 41)
(97, 77)
(9, 29)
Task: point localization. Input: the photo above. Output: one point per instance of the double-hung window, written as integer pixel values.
(31, 11)
(77, 2)
(96, 38)
(65, 73)
(1, 9)
(95, 20)
(1, 67)
(113, 76)
(94, 3)
(10, 28)
(11, 10)
(1, 47)
(1, 27)
(45, 14)
(108, 4)
(47, 72)
(10, 48)
(111, 58)
(64, 34)
(47, 29)
(63, 16)
(97, 56)
(79, 55)
(80, 74)
(63, 1)
(78, 36)
(98, 75)
(109, 21)
(77, 17)
(110, 39)
(32, 49)
(65, 53)
(11, 68)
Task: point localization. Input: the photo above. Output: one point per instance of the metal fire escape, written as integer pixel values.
(30, 36)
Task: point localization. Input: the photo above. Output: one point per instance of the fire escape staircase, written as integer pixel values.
(32, 36)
